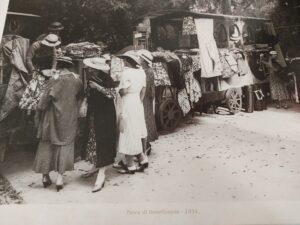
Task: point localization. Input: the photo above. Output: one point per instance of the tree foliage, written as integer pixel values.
(112, 21)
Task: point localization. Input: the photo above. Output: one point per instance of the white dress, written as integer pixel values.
(132, 111)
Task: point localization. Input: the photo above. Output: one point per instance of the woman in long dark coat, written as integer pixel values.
(101, 147)
(147, 58)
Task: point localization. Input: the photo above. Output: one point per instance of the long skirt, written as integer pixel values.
(49, 157)
(133, 120)
(102, 129)
(278, 89)
(150, 120)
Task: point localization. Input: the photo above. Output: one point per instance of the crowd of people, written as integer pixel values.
(120, 121)
(116, 97)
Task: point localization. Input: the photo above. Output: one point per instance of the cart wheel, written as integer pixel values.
(169, 115)
(234, 100)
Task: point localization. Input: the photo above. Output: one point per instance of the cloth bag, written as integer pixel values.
(33, 93)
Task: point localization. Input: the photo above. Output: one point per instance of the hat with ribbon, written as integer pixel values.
(51, 40)
(97, 63)
(55, 26)
(145, 55)
(132, 54)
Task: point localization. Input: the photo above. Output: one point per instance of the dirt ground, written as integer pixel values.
(247, 157)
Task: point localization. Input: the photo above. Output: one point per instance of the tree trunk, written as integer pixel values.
(226, 7)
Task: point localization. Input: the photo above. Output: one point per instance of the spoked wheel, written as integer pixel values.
(234, 100)
(169, 115)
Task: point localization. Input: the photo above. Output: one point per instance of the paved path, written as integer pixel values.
(215, 159)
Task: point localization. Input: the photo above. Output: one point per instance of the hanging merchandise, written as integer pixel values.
(192, 87)
(15, 51)
(196, 62)
(210, 62)
(32, 93)
(187, 62)
(229, 64)
(183, 101)
(188, 26)
(161, 77)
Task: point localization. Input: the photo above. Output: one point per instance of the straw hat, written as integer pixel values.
(55, 26)
(51, 40)
(146, 55)
(132, 55)
(96, 63)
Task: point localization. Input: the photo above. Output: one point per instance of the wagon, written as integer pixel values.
(175, 30)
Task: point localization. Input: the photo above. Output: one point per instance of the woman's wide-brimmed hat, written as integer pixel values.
(97, 63)
(132, 55)
(55, 26)
(146, 55)
(51, 40)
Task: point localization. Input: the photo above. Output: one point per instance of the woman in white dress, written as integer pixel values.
(132, 122)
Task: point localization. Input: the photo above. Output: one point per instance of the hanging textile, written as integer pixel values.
(15, 51)
(183, 101)
(161, 77)
(193, 88)
(188, 26)
(196, 62)
(210, 62)
(33, 93)
(229, 64)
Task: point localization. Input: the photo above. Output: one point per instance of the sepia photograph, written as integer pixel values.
(149, 112)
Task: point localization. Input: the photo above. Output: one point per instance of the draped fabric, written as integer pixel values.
(210, 61)
(188, 26)
(15, 51)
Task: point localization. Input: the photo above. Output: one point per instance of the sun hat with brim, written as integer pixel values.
(55, 26)
(132, 55)
(146, 55)
(65, 59)
(51, 40)
(97, 63)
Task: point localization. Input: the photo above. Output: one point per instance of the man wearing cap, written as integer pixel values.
(42, 54)
(53, 28)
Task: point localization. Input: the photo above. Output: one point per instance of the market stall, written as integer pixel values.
(219, 61)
